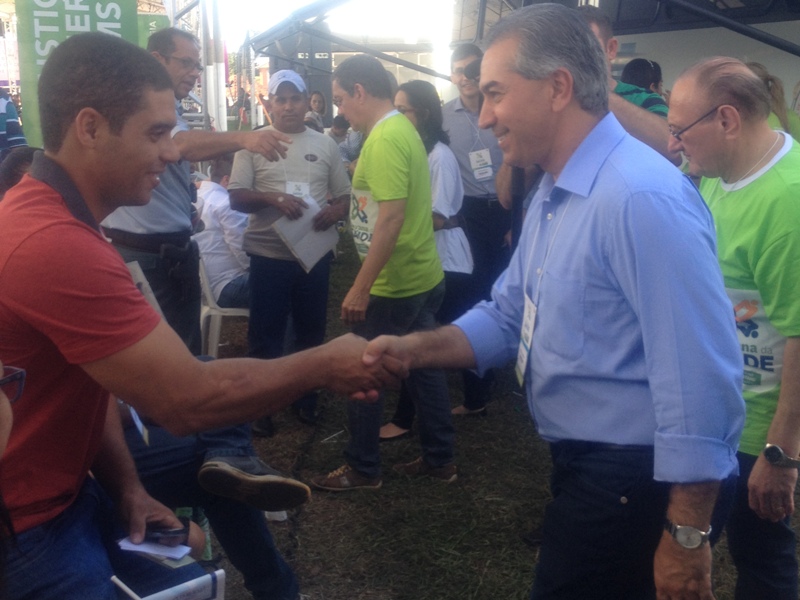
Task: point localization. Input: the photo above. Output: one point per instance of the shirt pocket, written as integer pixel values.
(560, 319)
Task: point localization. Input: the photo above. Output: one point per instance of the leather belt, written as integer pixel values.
(147, 242)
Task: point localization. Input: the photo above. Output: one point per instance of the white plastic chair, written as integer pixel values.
(211, 315)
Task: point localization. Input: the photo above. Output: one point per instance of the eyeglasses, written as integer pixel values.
(12, 382)
(677, 134)
(189, 64)
(337, 102)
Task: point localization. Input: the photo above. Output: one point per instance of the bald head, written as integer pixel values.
(725, 80)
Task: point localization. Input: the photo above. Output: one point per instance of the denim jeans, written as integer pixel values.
(74, 555)
(168, 469)
(426, 387)
(763, 551)
(236, 293)
(179, 299)
(279, 288)
(601, 529)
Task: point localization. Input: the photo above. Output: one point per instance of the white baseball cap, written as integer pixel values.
(283, 76)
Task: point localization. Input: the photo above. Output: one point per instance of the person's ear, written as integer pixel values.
(89, 125)
(612, 47)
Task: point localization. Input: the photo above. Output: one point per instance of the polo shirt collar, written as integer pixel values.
(51, 173)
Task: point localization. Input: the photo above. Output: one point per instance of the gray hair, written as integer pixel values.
(551, 37)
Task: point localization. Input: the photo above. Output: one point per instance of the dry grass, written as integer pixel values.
(416, 539)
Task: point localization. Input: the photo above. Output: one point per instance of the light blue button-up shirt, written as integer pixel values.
(635, 341)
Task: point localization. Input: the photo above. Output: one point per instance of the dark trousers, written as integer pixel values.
(176, 287)
(426, 387)
(487, 223)
(763, 551)
(279, 288)
(601, 529)
(168, 469)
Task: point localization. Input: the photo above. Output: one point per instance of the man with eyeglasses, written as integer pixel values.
(72, 317)
(157, 235)
(751, 182)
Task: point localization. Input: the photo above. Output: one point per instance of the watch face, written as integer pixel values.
(773, 454)
(689, 537)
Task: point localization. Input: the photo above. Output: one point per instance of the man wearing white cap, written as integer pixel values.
(310, 173)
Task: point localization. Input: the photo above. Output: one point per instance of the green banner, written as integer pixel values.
(44, 24)
(149, 24)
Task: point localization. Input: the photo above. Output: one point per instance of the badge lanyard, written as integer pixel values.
(529, 314)
(301, 189)
(480, 161)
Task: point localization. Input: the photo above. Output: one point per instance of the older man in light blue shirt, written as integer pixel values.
(614, 309)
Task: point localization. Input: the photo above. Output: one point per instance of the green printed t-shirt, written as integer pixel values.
(643, 98)
(393, 165)
(757, 222)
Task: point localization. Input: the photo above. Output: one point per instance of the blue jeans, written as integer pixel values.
(426, 387)
(236, 293)
(763, 551)
(168, 469)
(74, 555)
(176, 290)
(279, 288)
(601, 529)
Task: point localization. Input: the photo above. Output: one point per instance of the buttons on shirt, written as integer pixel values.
(549, 216)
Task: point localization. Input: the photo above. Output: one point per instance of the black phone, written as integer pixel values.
(169, 536)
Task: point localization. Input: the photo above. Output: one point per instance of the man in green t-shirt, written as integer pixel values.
(401, 283)
(751, 183)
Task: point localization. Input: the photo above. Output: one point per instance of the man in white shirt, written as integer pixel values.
(227, 265)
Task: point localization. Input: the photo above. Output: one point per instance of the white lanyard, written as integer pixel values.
(530, 304)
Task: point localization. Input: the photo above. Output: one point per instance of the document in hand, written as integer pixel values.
(307, 245)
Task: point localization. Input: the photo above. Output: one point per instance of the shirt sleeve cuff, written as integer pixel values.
(491, 343)
(691, 459)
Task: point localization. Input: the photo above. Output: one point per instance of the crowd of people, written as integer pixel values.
(654, 323)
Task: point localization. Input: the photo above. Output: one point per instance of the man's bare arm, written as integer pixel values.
(682, 573)
(160, 378)
(771, 488)
(391, 215)
(195, 144)
(250, 201)
(116, 472)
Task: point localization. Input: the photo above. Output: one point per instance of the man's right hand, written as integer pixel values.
(350, 375)
(267, 143)
(291, 206)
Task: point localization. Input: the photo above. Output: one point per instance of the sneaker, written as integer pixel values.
(463, 411)
(419, 467)
(251, 481)
(346, 478)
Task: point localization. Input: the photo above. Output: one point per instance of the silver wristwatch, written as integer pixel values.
(776, 456)
(686, 535)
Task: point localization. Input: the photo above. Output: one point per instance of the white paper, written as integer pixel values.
(206, 587)
(173, 552)
(307, 245)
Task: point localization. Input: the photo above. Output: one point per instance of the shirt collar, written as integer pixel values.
(48, 171)
(580, 172)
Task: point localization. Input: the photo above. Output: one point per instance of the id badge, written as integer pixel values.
(480, 161)
(300, 189)
(525, 338)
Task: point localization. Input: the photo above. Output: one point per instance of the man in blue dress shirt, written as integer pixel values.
(614, 309)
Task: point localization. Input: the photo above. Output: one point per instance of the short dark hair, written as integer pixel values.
(16, 163)
(340, 122)
(99, 71)
(366, 71)
(463, 51)
(595, 16)
(163, 40)
(642, 72)
(221, 166)
(428, 106)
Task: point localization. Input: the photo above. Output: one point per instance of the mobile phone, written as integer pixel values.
(169, 536)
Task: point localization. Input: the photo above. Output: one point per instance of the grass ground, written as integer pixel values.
(415, 539)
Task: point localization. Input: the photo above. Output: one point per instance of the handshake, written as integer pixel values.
(360, 369)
